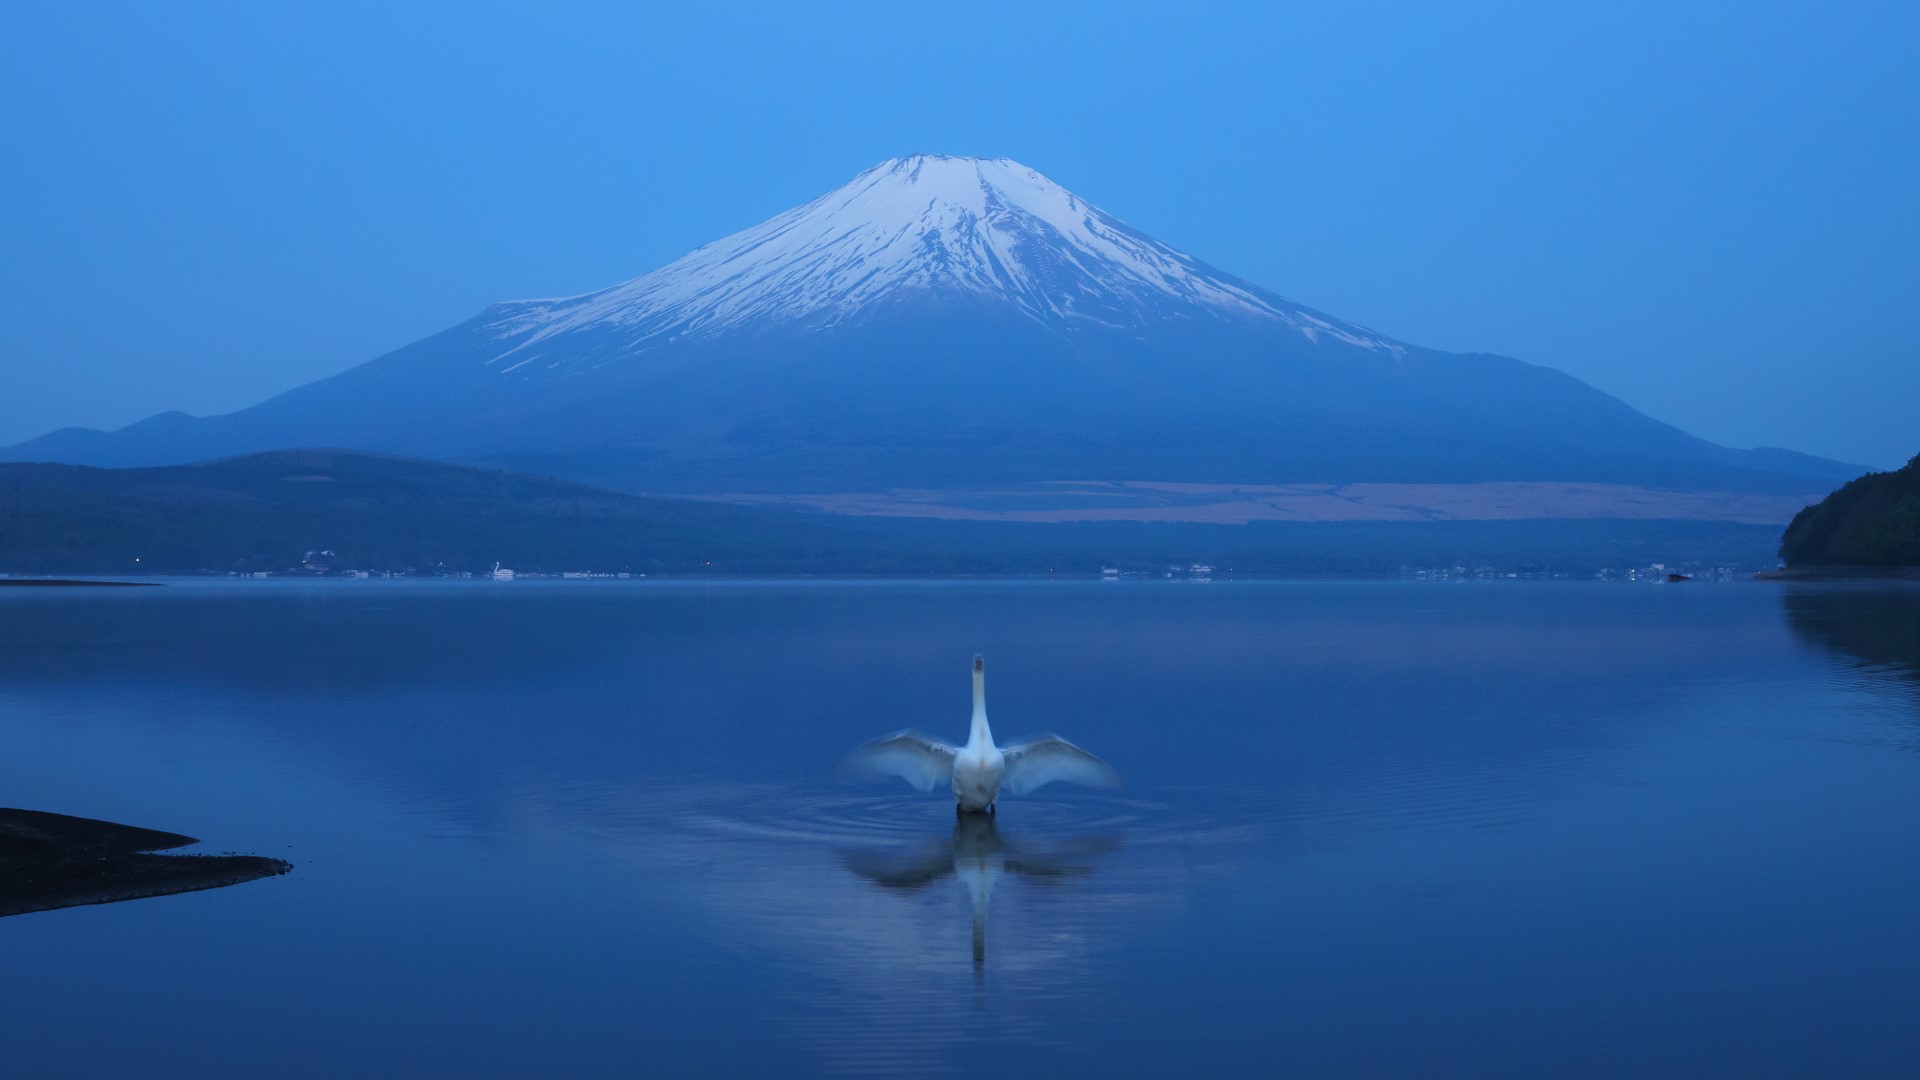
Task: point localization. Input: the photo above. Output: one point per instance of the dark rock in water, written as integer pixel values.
(52, 861)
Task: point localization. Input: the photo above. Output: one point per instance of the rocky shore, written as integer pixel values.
(52, 861)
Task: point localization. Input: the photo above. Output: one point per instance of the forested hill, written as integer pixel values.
(1872, 521)
(268, 511)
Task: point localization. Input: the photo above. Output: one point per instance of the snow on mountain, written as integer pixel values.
(931, 225)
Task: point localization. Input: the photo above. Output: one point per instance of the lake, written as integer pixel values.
(593, 829)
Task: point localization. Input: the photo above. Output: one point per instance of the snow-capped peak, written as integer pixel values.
(988, 227)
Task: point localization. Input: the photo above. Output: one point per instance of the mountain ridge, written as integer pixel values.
(942, 322)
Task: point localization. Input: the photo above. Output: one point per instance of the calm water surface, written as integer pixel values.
(591, 829)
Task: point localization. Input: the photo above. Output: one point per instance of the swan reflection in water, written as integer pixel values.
(979, 856)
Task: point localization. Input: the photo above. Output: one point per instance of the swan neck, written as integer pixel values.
(980, 734)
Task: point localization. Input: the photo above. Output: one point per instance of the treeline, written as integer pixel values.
(1872, 521)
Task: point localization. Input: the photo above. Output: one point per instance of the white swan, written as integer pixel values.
(979, 771)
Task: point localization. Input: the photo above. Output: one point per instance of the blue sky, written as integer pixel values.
(1708, 210)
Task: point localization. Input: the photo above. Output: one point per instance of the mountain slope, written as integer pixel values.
(941, 322)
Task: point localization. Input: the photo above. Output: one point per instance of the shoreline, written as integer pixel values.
(50, 861)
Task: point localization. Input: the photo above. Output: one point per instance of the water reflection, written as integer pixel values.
(979, 857)
(1877, 627)
(1439, 798)
(850, 898)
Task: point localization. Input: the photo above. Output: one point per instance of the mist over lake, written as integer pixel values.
(592, 829)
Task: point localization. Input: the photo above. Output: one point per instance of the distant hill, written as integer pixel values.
(266, 512)
(1872, 521)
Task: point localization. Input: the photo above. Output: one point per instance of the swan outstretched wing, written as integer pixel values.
(925, 763)
(1039, 762)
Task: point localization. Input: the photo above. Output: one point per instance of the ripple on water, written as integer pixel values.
(891, 909)
(665, 814)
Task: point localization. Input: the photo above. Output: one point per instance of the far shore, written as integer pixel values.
(6, 581)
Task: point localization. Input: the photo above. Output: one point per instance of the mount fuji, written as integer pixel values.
(946, 323)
